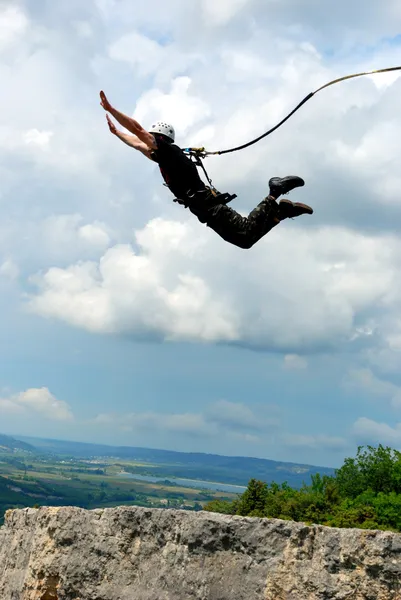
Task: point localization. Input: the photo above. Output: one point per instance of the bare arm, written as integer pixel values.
(129, 123)
(134, 142)
(131, 140)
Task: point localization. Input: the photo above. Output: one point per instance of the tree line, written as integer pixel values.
(364, 493)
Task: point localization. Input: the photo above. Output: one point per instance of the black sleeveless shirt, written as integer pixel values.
(178, 171)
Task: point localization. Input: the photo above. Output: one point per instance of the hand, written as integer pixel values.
(111, 125)
(104, 102)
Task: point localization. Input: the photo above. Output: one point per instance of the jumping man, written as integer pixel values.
(182, 178)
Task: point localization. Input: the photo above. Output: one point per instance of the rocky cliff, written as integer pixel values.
(132, 553)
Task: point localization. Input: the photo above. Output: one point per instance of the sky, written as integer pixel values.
(126, 321)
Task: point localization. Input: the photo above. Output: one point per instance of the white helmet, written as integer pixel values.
(164, 129)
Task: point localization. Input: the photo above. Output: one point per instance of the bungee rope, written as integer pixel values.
(199, 153)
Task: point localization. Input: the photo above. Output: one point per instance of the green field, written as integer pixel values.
(43, 472)
(27, 480)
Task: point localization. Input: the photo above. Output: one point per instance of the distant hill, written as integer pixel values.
(8, 444)
(236, 470)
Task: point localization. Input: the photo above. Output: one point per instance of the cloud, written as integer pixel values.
(223, 418)
(179, 106)
(146, 298)
(56, 239)
(107, 249)
(368, 431)
(149, 57)
(10, 407)
(95, 235)
(143, 53)
(238, 417)
(293, 362)
(219, 13)
(40, 401)
(319, 441)
(365, 380)
(186, 424)
(189, 424)
(9, 269)
(38, 138)
(166, 290)
(13, 25)
(68, 229)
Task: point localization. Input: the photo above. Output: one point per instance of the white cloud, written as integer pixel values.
(223, 418)
(293, 362)
(10, 407)
(140, 51)
(13, 25)
(336, 282)
(176, 423)
(187, 424)
(149, 57)
(9, 269)
(146, 297)
(167, 288)
(66, 237)
(178, 107)
(368, 431)
(105, 419)
(219, 13)
(314, 441)
(38, 138)
(364, 379)
(329, 281)
(95, 235)
(40, 401)
(246, 437)
(84, 29)
(237, 416)
(385, 80)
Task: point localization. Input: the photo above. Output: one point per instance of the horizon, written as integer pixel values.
(69, 441)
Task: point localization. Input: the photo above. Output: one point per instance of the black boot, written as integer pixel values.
(283, 185)
(289, 210)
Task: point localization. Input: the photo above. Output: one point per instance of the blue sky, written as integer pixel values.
(126, 321)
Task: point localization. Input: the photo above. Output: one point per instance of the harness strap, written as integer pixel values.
(195, 155)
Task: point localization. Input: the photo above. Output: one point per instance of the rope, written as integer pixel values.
(202, 152)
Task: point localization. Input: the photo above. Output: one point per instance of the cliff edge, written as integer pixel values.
(132, 553)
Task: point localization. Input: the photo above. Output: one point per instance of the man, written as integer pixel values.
(182, 178)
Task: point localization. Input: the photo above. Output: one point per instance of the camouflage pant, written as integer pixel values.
(241, 231)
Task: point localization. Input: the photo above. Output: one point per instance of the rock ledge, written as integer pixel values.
(132, 553)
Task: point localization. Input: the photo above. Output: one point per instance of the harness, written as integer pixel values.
(213, 196)
(219, 198)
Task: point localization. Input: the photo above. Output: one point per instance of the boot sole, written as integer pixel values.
(304, 207)
(308, 209)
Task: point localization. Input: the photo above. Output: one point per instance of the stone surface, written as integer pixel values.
(132, 553)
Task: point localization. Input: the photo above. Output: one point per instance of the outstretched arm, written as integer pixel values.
(131, 140)
(129, 123)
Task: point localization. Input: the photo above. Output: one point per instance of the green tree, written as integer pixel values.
(364, 493)
(349, 479)
(388, 509)
(377, 469)
(254, 500)
(220, 506)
